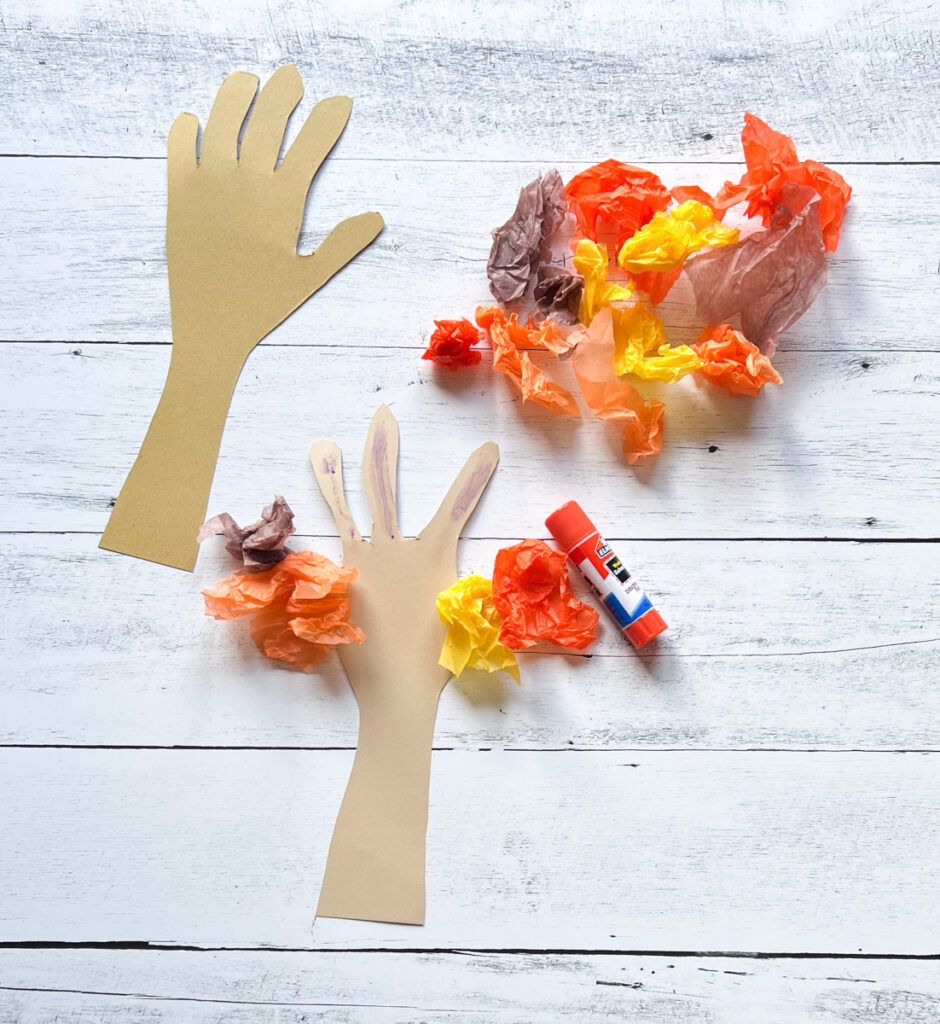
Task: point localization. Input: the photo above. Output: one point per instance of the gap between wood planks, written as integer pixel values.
(157, 947)
(631, 539)
(419, 348)
(573, 749)
(587, 161)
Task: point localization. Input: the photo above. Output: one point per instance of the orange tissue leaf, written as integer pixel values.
(731, 362)
(772, 162)
(506, 336)
(450, 344)
(533, 595)
(273, 636)
(656, 283)
(245, 593)
(682, 193)
(610, 398)
(299, 607)
(617, 194)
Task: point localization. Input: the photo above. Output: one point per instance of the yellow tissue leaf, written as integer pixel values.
(590, 261)
(670, 364)
(473, 625)
(670, 238)
(637, 331)
(640, 347)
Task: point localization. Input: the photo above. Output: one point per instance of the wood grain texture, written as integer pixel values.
(830, 454)
(490, 988)
(780, 645)
(631, 844)
(852, 80)
(82, 242)
(825, 853)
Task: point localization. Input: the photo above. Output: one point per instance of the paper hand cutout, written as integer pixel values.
(375, 868)
(233, 221)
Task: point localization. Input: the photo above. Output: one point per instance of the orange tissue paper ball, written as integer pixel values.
(533, 596)
(731, 362)
(450, 344)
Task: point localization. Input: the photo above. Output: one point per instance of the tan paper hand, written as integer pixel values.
(233, 221)
(375, 868)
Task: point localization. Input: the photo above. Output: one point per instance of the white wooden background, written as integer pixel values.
(740, 827)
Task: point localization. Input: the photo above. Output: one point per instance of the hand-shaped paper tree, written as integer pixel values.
(233, 221)
(375, 868)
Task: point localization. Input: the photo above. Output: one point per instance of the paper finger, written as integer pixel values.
(327, 462)
(264, 133)
(464, 492)
(220, 139)
(379, 473)
(181, 146)
(319, 134)
(342, 244)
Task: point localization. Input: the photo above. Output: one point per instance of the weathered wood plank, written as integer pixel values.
(829, 852)
(387, 988)
(781, 645)
(852, 81)
(826, 852)
(846, 448)
(91, 232)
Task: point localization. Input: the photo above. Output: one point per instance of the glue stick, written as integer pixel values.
(581, 541)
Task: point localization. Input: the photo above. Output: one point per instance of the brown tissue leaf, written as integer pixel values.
(558, 293)
(260, 545)
(770, 278)
(519, 243)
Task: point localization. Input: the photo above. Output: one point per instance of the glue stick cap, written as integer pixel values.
(569, 525)
(646, 628)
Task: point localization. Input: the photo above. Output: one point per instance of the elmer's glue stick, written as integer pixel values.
(581, 541)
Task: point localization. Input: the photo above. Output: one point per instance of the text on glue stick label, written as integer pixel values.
(605, 572)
